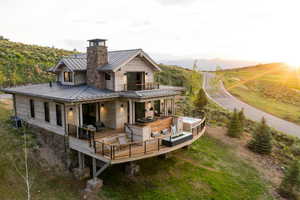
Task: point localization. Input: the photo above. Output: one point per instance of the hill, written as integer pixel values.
(274, 88)
(21, 63)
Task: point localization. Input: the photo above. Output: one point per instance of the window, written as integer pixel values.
(58, 115)
(46, 112)
(32, 113)
(107, 76)
(68, 77)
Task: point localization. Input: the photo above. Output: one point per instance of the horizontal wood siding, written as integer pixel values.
(80, 78)
(23, 111)
(137, 64)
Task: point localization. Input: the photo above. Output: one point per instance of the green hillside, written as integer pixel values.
(21, 63)
(274, 88)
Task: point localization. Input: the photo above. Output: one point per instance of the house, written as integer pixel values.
(106, 105)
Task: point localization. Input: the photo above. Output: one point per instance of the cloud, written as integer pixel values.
(75, 44)
(88, 21)
(175, 2)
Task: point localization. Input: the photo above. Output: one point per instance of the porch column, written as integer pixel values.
(133, 111)
(173, 106)
(80, 115)
(166, 106)
(130, 112)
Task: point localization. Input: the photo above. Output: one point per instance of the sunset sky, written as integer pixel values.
(256, 30)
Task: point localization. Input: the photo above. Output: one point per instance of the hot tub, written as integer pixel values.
(177, 139)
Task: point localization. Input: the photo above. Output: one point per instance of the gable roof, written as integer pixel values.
(116, 59)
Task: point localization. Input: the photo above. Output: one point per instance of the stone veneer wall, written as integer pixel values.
(96, 56)
(57, 143)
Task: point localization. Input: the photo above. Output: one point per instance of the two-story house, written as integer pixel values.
(106, 105)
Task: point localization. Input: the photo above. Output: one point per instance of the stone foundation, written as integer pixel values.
(81, 174)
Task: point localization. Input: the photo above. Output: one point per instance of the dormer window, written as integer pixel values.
(68, 77)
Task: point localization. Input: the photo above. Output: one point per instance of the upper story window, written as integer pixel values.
(32, 112)
(68, 77)
(46, 111)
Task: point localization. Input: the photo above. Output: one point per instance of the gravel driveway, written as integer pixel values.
(221, 96)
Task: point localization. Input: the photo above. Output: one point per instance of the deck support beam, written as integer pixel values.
(81, 160)
(95, 172)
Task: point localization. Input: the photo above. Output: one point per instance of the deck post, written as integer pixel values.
(80, 163)
(94, 168)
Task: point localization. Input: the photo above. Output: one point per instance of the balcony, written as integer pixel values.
(137, 86)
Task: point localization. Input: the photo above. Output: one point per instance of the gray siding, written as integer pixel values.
(112, 115)
(135, 65)
(23, 111)
(79, 78)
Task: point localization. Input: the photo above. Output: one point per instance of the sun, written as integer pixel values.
(294, 64)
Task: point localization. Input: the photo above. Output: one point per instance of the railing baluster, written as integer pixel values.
(158, 145)
(95, 146)
(129, 150)
(145, 147)
(102, 148)
(111, 152)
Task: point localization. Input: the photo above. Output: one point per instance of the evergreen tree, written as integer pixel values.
(201, 100)
(242, 119)
(234, 126)
(291, 181)
(262, 139)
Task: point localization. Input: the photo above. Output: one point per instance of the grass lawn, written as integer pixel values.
(208, 170)
(271, 88)
(46, 183)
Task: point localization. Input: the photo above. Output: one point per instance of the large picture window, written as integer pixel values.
(68, 77)
(32, 112)
(58, 115)
(46, 111)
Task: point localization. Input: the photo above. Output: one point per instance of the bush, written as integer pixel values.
(234, 126)
(290, 184)
(262, 139)
(201, 100)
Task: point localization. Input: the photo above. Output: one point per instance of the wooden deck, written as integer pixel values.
(126, 153)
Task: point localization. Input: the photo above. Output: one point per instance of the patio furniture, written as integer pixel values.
(155, 134)
(99, 126)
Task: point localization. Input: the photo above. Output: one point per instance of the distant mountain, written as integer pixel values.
(209, 64)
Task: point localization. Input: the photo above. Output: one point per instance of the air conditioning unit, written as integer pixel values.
(16, 122)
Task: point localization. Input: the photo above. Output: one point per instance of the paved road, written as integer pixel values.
(222, 97)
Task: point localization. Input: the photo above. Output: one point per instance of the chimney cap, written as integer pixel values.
(97, 40)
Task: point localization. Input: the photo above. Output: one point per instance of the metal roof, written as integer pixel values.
(84, 92)
(116, 59)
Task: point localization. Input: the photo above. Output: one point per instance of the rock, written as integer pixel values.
(94, 184)
(81, 174)
(132, 169)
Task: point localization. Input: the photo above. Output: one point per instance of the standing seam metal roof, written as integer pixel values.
(78, 62)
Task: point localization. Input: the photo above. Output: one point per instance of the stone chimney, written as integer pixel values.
(96, 57)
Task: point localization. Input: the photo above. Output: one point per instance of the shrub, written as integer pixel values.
(234, 126)
(290, 184)
(201, 100)
(262, 139)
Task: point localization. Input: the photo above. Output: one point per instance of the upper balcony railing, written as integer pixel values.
(144, 86)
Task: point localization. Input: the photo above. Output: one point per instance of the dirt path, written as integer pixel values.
(223, 98)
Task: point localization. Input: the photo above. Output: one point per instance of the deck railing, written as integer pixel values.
(144, 86)
(129, 150)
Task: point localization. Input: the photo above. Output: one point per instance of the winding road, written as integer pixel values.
(224, 99)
